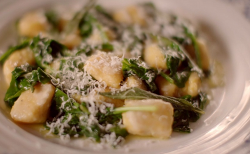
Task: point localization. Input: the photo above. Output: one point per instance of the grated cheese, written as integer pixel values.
(82, 76)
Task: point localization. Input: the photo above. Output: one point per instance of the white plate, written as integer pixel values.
(223, 128)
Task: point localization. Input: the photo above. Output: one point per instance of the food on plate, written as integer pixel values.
(104, 74)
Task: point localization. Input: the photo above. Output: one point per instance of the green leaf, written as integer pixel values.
(94, 132)
(167, 77)
(23, 79)
(136, 93)
(180, 40)
(195, 45)
(59, 98)
(135, 67)
(74, 24)
(119, 131)
(108, 117)
(45, 50)
(12, 93)
(150, 9)
(53, 19)
(22, 45)
(178, 54)
(182, 118)
(84, 108)
(14, 90)
(42, 76)
(86, 50)
(173, 64)
(101, 10)
(19, 71)
(181, 121)
(107, 47)
(86, 26)
(64, 106)
(180, 78)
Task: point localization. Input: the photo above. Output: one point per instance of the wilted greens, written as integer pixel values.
(91, 91)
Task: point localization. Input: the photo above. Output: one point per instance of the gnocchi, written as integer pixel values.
(18, 58)
(158, 123)
(105, 74)
(32, 24)
(33, 107)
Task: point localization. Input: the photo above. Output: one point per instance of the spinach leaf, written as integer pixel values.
(24, 79)
(193, 39)
(45, 50)
(179, 78)
(86, 26)
(66, 109)
(62, 103)
(70, 118)
(71, 64)
(119, 131)
(53, 19)
(182, 118)
(74, 24)
(150, 9)
(107, 47)
(135, 67)
(180, 40)
(173, 63)
(181, 122)
(86, 50)
(105, 18)
(101, 10)
(22, 45)
(108, 117)
(175, 54)
(137, 93)
(13, 92)
(93, 131)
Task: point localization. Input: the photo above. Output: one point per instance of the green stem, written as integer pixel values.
(167, 77)
(134, 108)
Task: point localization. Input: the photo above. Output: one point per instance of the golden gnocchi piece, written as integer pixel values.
(100, 36)
(33, 107)
(204, 54)
(32, 24)
(122, 16)
(138, 15)
(146, 123)
(166, 88)
(71, 40)
(192, 86)
(107, 68)
(131, 15)
(18, 58)
(134, 81)
(154, 56)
